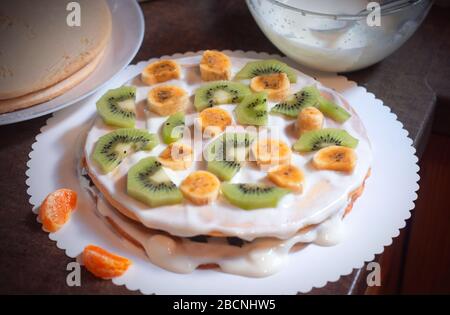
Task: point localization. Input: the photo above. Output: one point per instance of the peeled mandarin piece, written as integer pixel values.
(104, 264)
(160, 71)
(215, 66)
(287, 176)
(200, 187)
(56, 209)
(335, 158)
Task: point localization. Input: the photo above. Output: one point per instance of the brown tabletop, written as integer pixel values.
(409, 81)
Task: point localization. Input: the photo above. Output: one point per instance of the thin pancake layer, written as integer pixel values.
(49, 93)
(41, 49)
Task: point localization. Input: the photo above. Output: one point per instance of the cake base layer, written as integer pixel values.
(44, 95)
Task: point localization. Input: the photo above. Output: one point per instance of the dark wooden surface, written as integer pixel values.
(426, 266)
(417, 262)
(408, 81)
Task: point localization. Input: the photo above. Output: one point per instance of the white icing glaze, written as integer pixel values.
(325, 192)
(259, 258)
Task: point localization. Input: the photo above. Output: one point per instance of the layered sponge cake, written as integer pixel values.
(221, 174)
(46, 50)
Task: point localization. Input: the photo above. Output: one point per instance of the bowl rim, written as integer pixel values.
(359, 16)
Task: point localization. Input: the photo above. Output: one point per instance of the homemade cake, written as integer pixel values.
(272, 176)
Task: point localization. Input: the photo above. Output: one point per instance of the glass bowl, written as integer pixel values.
(335, 42)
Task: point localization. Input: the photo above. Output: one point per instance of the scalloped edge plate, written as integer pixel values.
(376, 219)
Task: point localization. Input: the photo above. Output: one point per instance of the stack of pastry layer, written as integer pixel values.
(45, 51)
(184, 234)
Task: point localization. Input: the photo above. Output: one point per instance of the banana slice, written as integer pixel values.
(177, 156)
(160, 71)
(335, 158)
(276, 85)
(167, 99)
(269, 152)
(287, 176)
(309, 118)
(214, 120)
(215, 66)
(200, 187)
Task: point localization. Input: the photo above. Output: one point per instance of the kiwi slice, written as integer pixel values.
(318, 139)
(253, 110)
(333, 111)
(263, 67)
(117, 107)
(308, 96)
(173, 128)
(253, 196)
(219, 92)
(229, 146)
(224, 170)
(148, 182)
(226, 154)
(112, 148)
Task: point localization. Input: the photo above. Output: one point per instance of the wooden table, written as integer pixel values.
(410, 81)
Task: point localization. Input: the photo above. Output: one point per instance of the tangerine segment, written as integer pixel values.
(56, 209)
(104, 264)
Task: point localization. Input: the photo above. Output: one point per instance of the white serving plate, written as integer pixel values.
(126, 38)
(377, 216)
